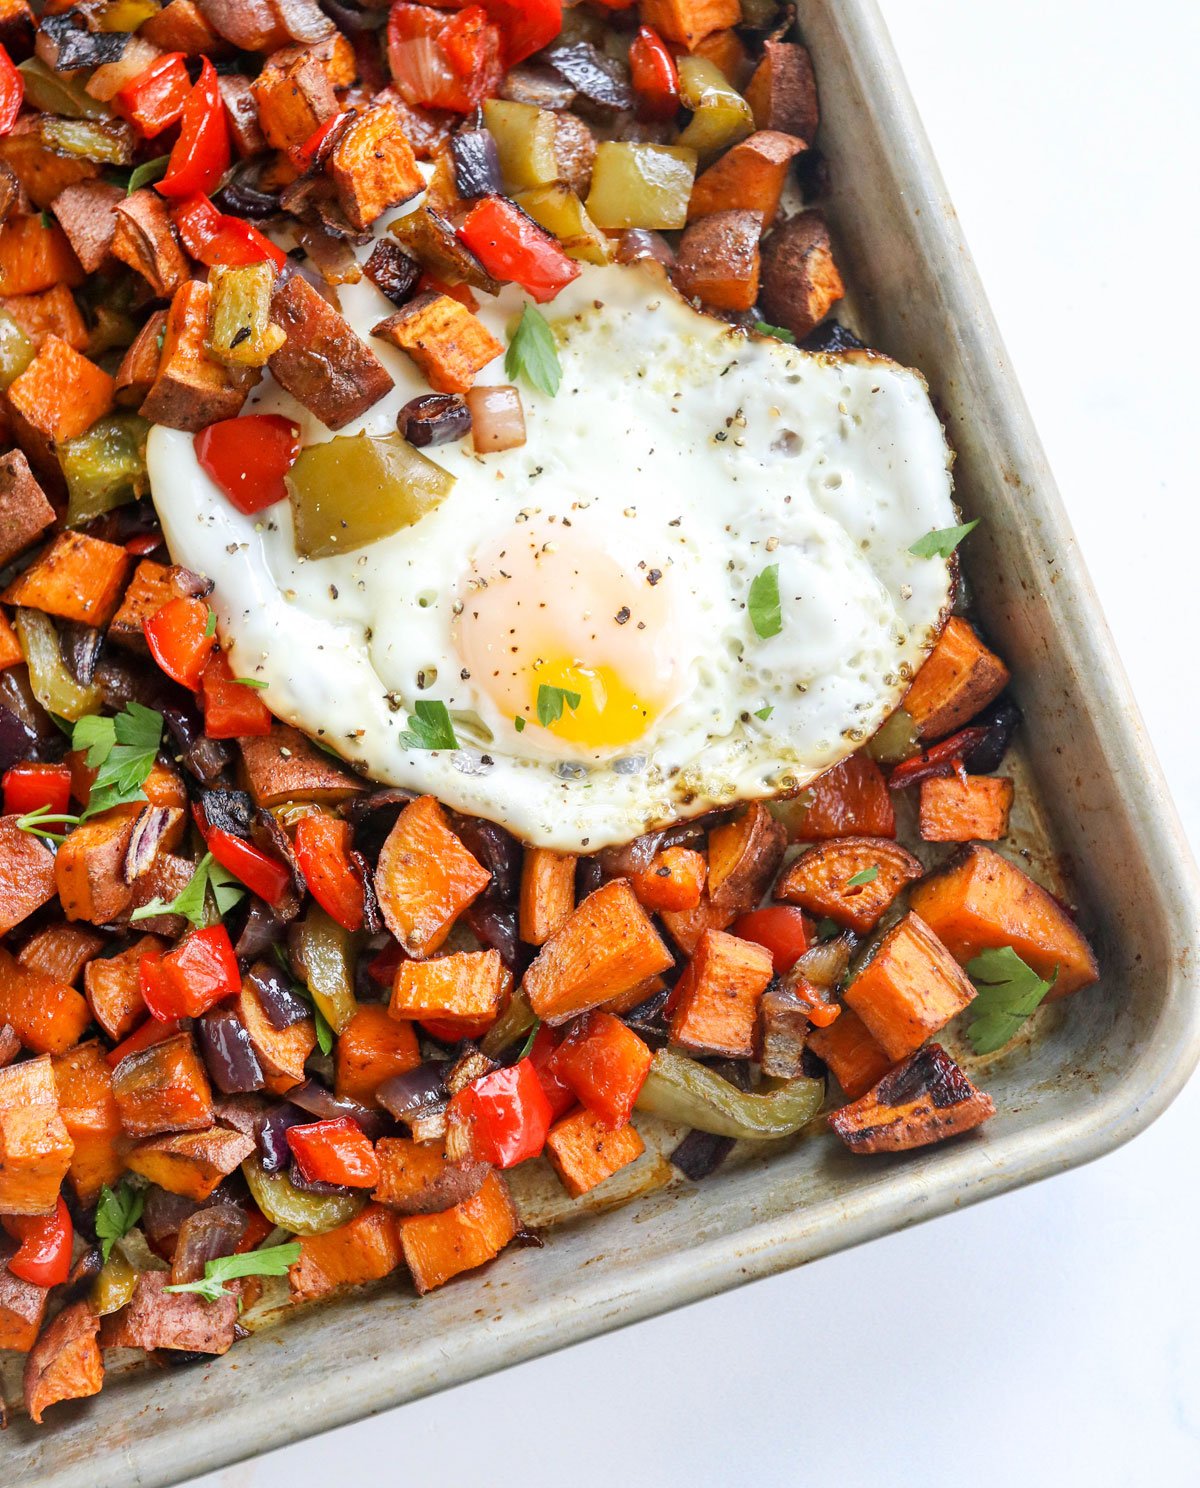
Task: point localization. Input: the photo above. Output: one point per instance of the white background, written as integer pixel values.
(1052, 1335)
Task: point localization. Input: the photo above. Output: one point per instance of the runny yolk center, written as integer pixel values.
(598, 709)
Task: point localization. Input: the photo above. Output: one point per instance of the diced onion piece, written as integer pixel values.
(497, 418)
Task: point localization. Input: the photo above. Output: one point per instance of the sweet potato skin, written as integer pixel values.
(87, 214)
(26, 874)
(783, 91)
(440, 1246)
(24, 511)
(191, 389)
(60, 952)
(583, 1152)
(819, 880)
(143, 239)
(909, 989)
(417, 1177)
(323, 363)
(65, 1363)
(743, 856)
(191, 1163)
(925, 1099)
(181, 1320)
(284, 766)
(960, 677)
(718, 260)
(972, 809)
(800, 280)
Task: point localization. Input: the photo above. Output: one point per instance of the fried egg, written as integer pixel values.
(586, 606)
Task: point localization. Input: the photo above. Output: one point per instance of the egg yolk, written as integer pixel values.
(570, 642)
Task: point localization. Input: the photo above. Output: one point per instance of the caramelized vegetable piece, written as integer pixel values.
(688, 925)
(974, 808)
(783, 91)
(60, 952)
(853, 1055)
(53, 313)
(26, 874)
(35, 1147)
(981, 902)
(42, 172)
(77, 578)
(191, 1163)
(749, 178)
(604, 1064)
(525, 138)
(715, 1002)
(418, 1178)
(22, 1306)
(285, 766)
(909, 989)
(465, 988)
(371, 1049)
(960, 678)
(559, 210)
(143, 239)
(926, 1099)
(448, 343)
(690, 21)
(89, 1112)
(547, 893)
(86, 212)
(35, 255)
(440, 1246)
(156, 1319)
(48, 1015)
(24, 511)
(819, 880)
(60, 393)
(742, 858)
(606, 947)
(373, 165)
(425, 878)
(241, 332)
(718, 260)
(191, 389)
(783, 1031)
(323, 363)
(163, 1089)
(294, 98)
(280, 1051)
(851, 800)
(365, 1249)
(584, 1152)
(113, 988)
(800, 281)
(674, 880)
(641, 185)
(65, 1363)
(720, 115)
(89, 869)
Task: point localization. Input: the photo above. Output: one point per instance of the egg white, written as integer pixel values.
(676, 441)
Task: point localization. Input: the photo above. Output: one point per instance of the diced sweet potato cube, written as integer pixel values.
(851, 800)
(294, 99)
(909, 989)
(439, 1246)
(22, 1305)
(743, 855)
(783, 91)
(364, 1249)
(65, 1363)
(690, 21)
(547, 893)
(748, 178)
(180, 26)
(688, 925)
(606, 947)
(373, 165)
(152, 586)
(584, 1152)
(191, 388)
(447, 342)
(324, 364)
(48, 1015)
(163, 1089)
(88, 869)
(191, 1163)
(77, 578)
(674, 880)
(35, 1147)
(982, 902)
(851, 1052)
(466, 987)
(113, 988)
(52, 313)
(42, 172)
(24, 511)
(974, 809)
(715, 1005)
(61, 393)
(241, 110)
(140, 364)
(285, 766)
(26, 874)
(960, 677)
(418, 1178)
(425, 878)
(372, 1048)
(60, 952)
(800, 280)
(819, 880)
(926, 1099)
(280, 1051)
(718, 259)
(35, 256)
(89, 1112)
(156, 1319)
(725, 50)
(87, 213)
(144, 240)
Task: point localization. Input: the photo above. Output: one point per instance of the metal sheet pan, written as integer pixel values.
(1105, 1064)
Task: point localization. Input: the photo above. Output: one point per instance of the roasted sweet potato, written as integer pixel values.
(280, 1051)
(139, 366)
(718, 259)
(266, 25)
(87, 214)
(439, 1246)
(48, 1015)
(690, 21)
(971, 809)
(465, 988)
(851, 800)
(143, 239)
(163, 1089)
(22, 1305)
(748, 178)
(960, 677)
(323, 363)
(10, 647)
(191, 1163)
(547, 893)
(167, 876)
(77, 578)
(444, 339)
(89, 1112)
(981, 902)
(365, 1249)
(425, 878)
(26, 874)
(783, 91)
(372, 1048)
(241, 110)
(674, 880)
(60, 952)
(35, 255)
(61, 393)
(89, 869)
(51, 313)
(152, 586)
(156, 1319)
(42, 172)
(926, 1099)
(606, 947)
(584, 1152)
(418, 1178)
(800, 281)
(65, 1363)
(688, 925)
(853, 1055)
(285, 766)
(373, 165)
(715, 1002)
(24, 511)
(743, 855)
(191, 389)
(180, 27)
(909, 989)
(294, 98)
(35, 1147)
(819, 880)
(113, 988)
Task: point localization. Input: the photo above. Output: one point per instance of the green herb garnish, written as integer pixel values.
(519, 724)
(429, 727)
(862, 877)
(766, 616)
(1007, 992)
(145, 174)
(780, 333)
(764, 713)
(532, 353)
(274, 1261)
(324, 1031)
(550, 703)
(41, 822)
(192, 900)
(528, 1044)
(251, 682)
(122, 751)
(942, 541)
(117, 1212)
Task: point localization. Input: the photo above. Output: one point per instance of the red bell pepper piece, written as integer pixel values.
(44, 1257)
(181, 639)
(154, 100)
(302, 156)
(440, 61)
(12, 91)
(654, 76)
(383, 967)
(248, 458)
(231, 708)
(454, 1030)
(323, 851)
(541, 1056)
(336, 1151)
(605, 1064)
(262, 874)
(430, 284)
(196, 975)
(33, 787)
(780, 929)
(511, 246)
(201, 154)
(509, 1114)
(525, 26)
(214, 238)
(943, 758)
(152, 1031)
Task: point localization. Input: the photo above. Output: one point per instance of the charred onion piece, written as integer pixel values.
(434, 418)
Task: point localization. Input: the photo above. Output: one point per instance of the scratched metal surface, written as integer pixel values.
(1096, 1070)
